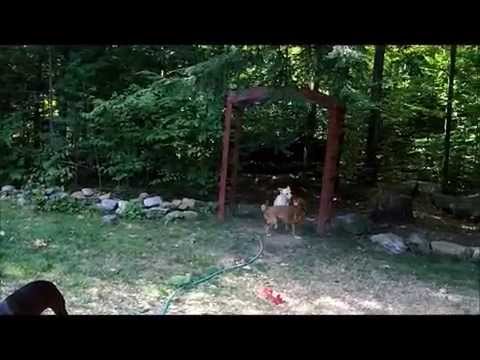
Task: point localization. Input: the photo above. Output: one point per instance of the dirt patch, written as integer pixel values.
(125, 269)
(330, 290)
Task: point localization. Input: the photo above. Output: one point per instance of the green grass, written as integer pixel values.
(82, 253)
(80, 250)
(436, 269)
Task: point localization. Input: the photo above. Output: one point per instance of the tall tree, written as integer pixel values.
(375, 119)
(448, 118)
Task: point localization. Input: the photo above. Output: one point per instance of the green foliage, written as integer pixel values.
(172, 124)
(133, 211)
(151, 115)
(53, 168)
(66, 205)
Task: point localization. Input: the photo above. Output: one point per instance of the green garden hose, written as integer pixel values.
(196, 282)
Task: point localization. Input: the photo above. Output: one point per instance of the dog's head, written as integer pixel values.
(299, 202)
(287, 192)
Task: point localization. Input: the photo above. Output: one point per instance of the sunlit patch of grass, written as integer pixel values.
(83, 256)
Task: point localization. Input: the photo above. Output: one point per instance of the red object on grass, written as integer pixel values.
(267, 294)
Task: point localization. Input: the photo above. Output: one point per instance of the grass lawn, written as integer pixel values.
(127, 268)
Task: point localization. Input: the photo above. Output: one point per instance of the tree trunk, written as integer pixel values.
(311, 124)
(37, 122)
(375, 120)
(448, 118)
(50, 94)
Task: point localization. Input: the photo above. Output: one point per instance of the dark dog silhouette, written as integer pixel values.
(33, 299)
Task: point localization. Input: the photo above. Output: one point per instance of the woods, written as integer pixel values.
(150, 116)
(115, 169)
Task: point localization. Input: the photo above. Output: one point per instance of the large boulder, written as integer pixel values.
(391, 243)
(88, 192)
(143, 195)
(451, 249)
(155, 212)
(417, 243)
(187, 215)
(167, 205)
(476, 253)
(56, 196)
(52, 190)
(187, 204)
(464, 207)
(122, 206)
(108, 205)
(176, 203)
(105, 196)
(152, 201)
(78, 195)
(7, 189)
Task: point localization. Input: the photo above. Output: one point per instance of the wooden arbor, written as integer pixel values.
(238, 101)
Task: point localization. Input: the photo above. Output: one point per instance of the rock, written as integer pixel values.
(418, 244)
(8, 189)
(143, 195)
(152, 201)
(187, 204)
(122, 206)
(392, 243)
(108, 205)
(51, 190)
(176, 203)
(110, 219)
(105, 196)
(355, 224)
(190, 215)
(78, 195)
(155, 212)
(475, 253)
(57, 196)
(464, 207)
(88, 192)
(167, 205)
(451, 249)
(187, 215)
